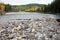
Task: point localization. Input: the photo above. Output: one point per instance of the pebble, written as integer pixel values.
(32, 29)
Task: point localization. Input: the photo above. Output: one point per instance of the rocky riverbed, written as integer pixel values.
(30, 29)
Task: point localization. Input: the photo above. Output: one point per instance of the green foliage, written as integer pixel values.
(53, 7)
(28, 7)
(56, 4)
(8, 8)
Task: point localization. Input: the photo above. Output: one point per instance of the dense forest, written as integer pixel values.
(54, 7)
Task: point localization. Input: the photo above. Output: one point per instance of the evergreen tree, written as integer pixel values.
(8, 8)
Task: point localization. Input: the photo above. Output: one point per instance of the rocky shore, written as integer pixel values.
(31, 29)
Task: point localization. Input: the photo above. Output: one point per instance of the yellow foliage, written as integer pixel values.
(2, 7)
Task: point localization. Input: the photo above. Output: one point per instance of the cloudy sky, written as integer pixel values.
(23, 2)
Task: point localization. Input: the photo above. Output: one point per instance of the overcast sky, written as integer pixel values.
(23, 2)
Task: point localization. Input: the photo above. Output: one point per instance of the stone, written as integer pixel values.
(19, 28)
(20, 38)
(30, 29)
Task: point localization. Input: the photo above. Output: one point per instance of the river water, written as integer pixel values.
(16, 16)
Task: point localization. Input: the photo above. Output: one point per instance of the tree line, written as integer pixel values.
(5, 7)
(54, 7)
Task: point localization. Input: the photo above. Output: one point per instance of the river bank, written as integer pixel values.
(29, 26)
(30, 29)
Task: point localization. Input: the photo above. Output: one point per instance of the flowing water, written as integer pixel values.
(16, 16)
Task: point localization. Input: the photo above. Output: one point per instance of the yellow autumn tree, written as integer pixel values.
(3, 7)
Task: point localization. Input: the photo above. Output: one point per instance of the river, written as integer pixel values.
(16, 16)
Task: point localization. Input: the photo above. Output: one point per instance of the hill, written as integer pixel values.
(27, 7)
